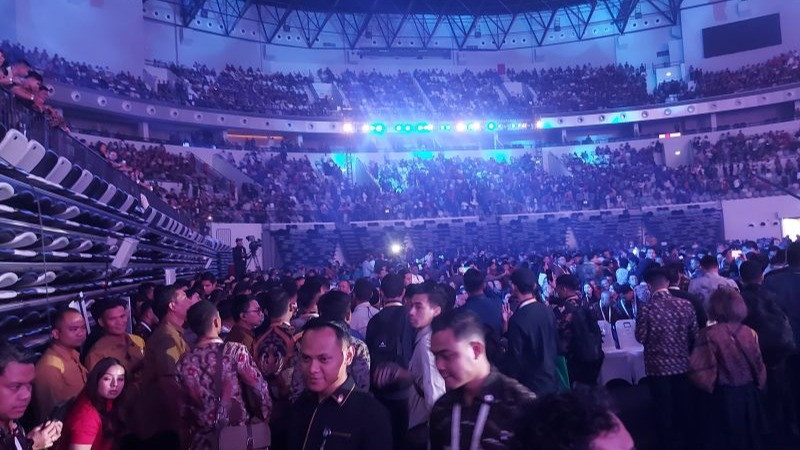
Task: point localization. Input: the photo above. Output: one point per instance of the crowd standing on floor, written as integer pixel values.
(500, 353)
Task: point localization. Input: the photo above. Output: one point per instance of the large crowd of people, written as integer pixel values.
(447, 349)
(483, 350)
(290, 189)
(585, 88)
(779, 70)
(295, 190)
(436, 93)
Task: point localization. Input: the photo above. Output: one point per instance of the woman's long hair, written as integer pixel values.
(109, 413)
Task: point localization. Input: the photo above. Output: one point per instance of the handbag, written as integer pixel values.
(250, 436)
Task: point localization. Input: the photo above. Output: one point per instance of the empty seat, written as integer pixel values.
(12, 147)
(59, 171)
(83, 182)
(108, 194)
(12, 240)
(45, 164)
(72, 176)
(97, 188)
(34, 152)
(69, 213)
(6, 191)
(127, 204)
(118, 199)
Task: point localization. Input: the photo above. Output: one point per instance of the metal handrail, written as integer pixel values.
(15, 114)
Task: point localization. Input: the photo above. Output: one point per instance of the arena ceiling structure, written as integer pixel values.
(421, 24)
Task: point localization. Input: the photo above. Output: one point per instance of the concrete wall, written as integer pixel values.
(676, 150)
(229, 232)
(699, 14)
(100, 32)
(111, 32)
(756, 218)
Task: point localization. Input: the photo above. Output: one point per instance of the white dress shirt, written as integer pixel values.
(360, 317)
(428, 384)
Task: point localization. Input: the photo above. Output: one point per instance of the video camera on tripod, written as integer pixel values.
(253, 244)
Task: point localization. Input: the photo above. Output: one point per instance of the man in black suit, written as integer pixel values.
(532, 337)
(675, 271)
(240, 259)
(786, 286)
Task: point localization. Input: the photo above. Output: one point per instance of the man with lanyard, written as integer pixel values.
(532, 347)
(481, 406)
(627, 307)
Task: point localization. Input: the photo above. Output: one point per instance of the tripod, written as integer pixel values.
(254, 258)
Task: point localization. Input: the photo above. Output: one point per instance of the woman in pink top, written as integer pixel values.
(93, 421)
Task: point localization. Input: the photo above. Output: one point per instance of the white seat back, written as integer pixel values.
(60, 171)
(608, 335)
(108, 194)
(83, 182)
(12, 147)
(34, 153)
(126, 205)
(626, 333)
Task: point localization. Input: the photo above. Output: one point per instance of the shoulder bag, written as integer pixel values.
(250, 436)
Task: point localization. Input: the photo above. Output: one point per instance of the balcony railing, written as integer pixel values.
(15, 114)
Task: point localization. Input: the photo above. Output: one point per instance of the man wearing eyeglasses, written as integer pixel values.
(247, 315)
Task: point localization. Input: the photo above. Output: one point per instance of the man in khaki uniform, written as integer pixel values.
(128, 349)
(159, 416)
(59, 373)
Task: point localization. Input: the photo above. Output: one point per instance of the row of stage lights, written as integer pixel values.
(427, 127)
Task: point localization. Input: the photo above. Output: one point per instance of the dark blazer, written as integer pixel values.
(532, 348)
(786, 287)
(697, 304)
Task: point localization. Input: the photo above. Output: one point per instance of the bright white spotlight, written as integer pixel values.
(461, 127)
(540, 124)
(365, 128)
(348, 127)
(396, 248)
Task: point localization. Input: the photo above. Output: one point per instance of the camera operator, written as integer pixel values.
(240, 259)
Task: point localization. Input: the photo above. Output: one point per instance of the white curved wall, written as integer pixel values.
(101, 32)
(115, 33)
(697, 14)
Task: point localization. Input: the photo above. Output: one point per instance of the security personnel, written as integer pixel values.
(332, 414)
